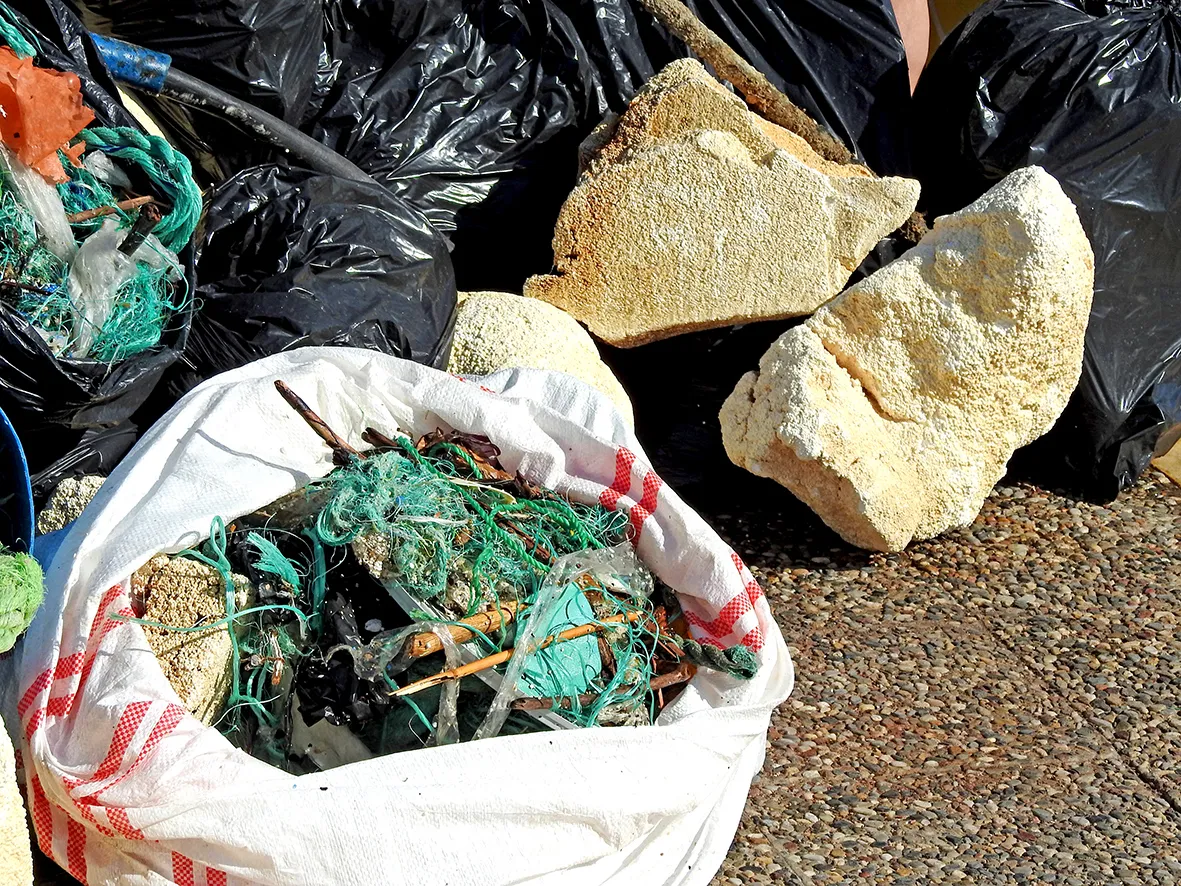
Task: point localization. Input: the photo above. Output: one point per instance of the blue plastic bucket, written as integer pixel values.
(16, 492)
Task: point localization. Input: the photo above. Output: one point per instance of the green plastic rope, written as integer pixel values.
(12, 34)
(737, 661)
(166, 167)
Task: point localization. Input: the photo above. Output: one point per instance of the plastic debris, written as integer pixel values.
(42, 111)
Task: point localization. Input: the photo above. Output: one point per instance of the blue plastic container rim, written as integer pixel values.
(16, 491)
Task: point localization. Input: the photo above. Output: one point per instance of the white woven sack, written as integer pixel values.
(125, 787)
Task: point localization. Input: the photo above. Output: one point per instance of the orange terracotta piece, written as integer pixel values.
(40, 111)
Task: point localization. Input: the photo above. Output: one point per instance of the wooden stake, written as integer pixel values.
(340, 449)
(99, 211)
(428, 642)
(499, 658)
(755, 88)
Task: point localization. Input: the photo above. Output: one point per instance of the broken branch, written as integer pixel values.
(340, 449)
(428, 642)
(501, 657)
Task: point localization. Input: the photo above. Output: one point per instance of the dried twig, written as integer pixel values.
(341, 450)
(374, 437)
(501, 657)
(682, 674)
(98, 211)
(755, 88)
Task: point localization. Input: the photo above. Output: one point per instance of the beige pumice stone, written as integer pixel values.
(499, 330)
(893, 410)
(693, 212)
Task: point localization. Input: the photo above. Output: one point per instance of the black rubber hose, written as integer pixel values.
(195, 93)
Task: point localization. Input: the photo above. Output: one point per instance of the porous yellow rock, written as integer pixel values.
(183, 593)
(16, 857)
(894, 409)
(498, 330)
(693, 213)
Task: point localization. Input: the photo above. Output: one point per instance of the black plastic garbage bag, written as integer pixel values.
(473, 111)
(53, 402)
(292, 258)
(1091, 91)
(266, 52)
(842, 61)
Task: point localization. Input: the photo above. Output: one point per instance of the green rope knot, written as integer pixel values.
(737, 661)
(165, 166)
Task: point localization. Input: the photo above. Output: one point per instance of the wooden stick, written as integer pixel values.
(428, 642)
(755, 88)
(501, 657)
(99, 211)
(340, 448)
(374, 437)
(682, 674)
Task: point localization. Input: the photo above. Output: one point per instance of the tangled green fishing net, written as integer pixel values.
(21, 592)
(141, 307)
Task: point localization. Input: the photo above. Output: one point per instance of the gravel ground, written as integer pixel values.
(999, 705)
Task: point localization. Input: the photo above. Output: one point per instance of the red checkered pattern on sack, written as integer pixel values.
(42, 818)
(182, 870)
(168, 721)
(133, 714)
(647, 505)
(79, 663)
(624, 459)
(76, 849)
(214, 877)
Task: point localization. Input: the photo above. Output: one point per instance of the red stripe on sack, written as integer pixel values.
(76, 849)
(133, 714)
(753, 639)
(182, 870)
(168, 721)
(34, 723)
(723, 623)
(753, 589)
(214, 877)
(75, 663)
(86, 814)
(108, 625)
(42, 818)
(647, 504)
(35, 688)
(121, 823)
(624, 459)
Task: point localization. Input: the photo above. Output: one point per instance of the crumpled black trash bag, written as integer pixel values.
(292, 258)
(842, 61)
(1091, 91)
(54, 402)
(473, 111)
(266, 52)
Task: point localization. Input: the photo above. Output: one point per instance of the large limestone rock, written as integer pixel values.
(693, 212)
(16, 858)
(893, 410)
(498, 330)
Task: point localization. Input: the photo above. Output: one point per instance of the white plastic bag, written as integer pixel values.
(125, 787)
